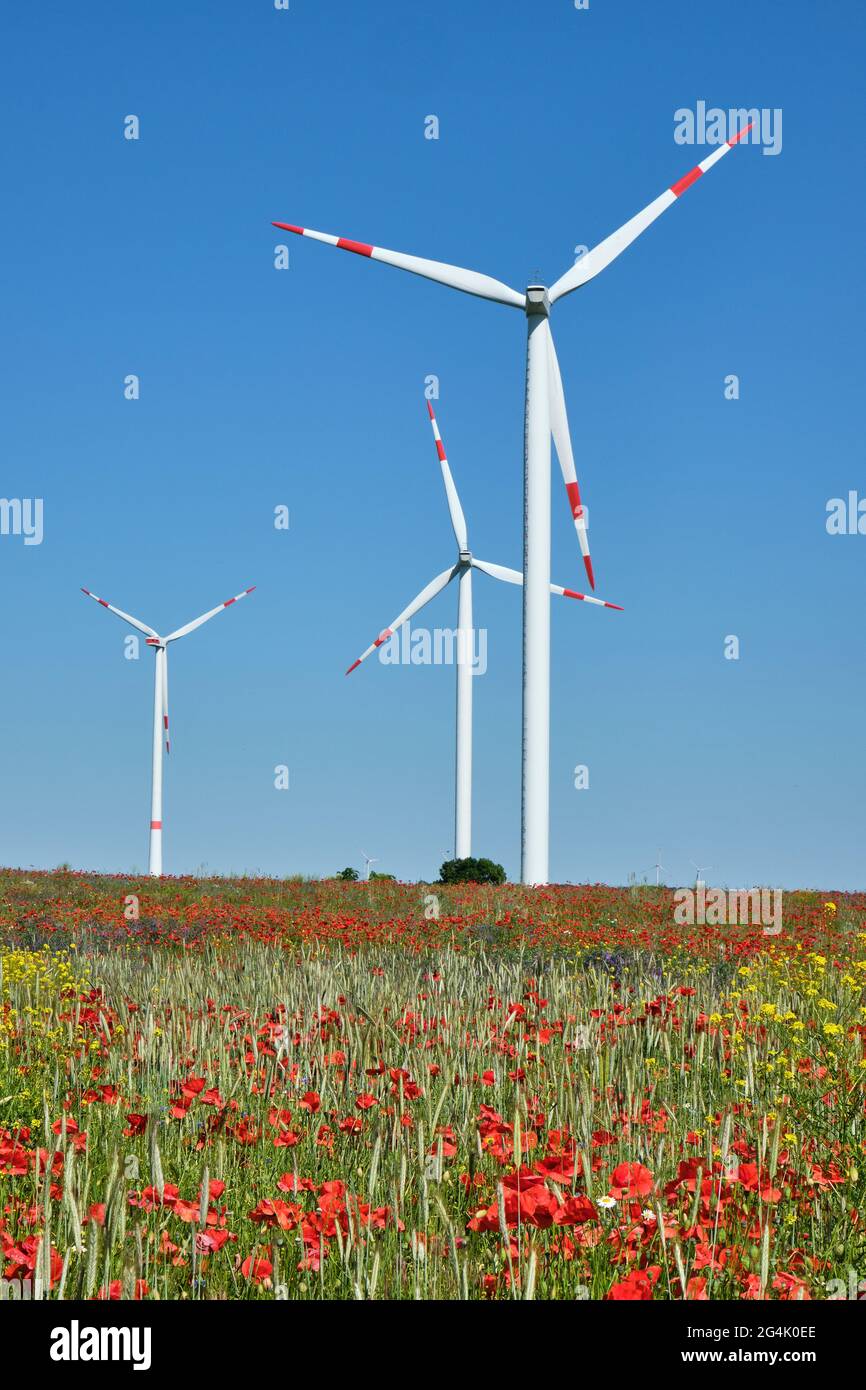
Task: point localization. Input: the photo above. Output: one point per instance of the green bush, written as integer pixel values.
(471, 871)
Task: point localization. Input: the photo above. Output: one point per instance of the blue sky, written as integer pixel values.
(305, 388)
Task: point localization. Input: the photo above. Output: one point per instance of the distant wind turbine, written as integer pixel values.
(700, 870)
(367, 862)
(160, 710)
(466, 562)
(658, 867)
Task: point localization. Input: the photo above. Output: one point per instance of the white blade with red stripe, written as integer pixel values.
(165, 702)
(469, 281)
(433, 588)
(585, 598)
(206, 617)
(606, 251)
(515, 577)
(562, 440)
(458, 520)
(133, 622)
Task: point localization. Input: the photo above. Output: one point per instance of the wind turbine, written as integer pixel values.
(699, 869)
(367, 862)
(658, 867)
(462, 571)
(160, 709)
(545, 414)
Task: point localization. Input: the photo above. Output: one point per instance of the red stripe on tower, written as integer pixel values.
(686, 181)
(360, 248)
(156, 825)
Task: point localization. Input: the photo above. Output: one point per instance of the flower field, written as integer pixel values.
(258, 1089)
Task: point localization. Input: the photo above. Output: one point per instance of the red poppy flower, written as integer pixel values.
(638, 1287)
(286, 1215)
(115, 1290)
(211, 1242)
(631, 1180)
(575, 1211)
(258, 1269)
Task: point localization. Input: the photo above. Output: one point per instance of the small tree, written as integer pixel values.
(471, 871)
(348, 875)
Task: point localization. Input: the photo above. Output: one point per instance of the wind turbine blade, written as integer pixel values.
(515, 577)
(469, 281)
(565, 454)
(165, 701)
(585, 598)
(498, 571)
(606, 251)
(133, 622)
(206, 617)
(458, 520)
(433, 588)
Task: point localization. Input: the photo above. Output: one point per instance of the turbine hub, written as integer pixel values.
(537, 301)
(465, 557)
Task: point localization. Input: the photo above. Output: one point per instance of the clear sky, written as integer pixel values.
(305, 388)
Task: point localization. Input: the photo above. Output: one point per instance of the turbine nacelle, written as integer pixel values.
(537, 301)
